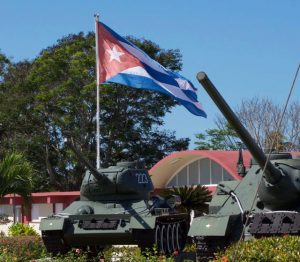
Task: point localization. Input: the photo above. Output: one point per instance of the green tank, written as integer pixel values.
(266, 202)
(115, 208)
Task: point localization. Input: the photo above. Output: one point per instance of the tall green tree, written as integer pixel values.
(217, 139)
(53, 97)
(16, 176)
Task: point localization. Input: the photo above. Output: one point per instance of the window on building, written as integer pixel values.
(194, 173)
(39, 211)
(203, 171)
(182, 176)
(216, 173)
(6, 210)
(58, 208)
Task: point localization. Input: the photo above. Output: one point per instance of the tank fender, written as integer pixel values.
(142, 222)
(52, 223)
(211, 225)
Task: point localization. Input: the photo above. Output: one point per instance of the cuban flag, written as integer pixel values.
(121, 62)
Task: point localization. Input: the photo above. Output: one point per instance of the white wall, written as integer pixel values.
(38, 211)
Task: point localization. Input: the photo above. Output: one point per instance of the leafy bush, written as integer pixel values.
(275, 249)
(134, 254)
(19, 249)
(192, 198)
(72, 256)
(19, 229)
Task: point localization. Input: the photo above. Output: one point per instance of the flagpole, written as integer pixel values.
(98, 95)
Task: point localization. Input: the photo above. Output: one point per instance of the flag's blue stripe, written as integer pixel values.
(190, 94)
(167, 79)
(142, 82)
(137, 81)
(161, 77)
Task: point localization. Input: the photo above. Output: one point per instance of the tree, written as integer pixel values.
(16, 176)
(217, 139)
(53, 97)
(263, 120)
(192, 198)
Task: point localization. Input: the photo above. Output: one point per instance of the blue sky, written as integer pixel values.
(248, 48)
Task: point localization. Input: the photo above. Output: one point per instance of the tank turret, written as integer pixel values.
(265, 202)
(125, 180)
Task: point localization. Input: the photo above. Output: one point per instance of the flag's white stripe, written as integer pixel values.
(144, 58)
(177, 92)
(155, 65)
(185, 85)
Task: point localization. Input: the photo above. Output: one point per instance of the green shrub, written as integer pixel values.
(275, 249)
(134, 254)
(19, 229)
(192, 198)
(23, 248)
(73, 256)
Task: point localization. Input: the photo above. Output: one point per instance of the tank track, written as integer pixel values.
(275, 223)
(54, 242)
(172, 236)
(168, 235)
(207, 246)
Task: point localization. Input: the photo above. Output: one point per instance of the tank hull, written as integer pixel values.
(122, 223)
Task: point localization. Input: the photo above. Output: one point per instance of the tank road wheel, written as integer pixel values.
(179, 237)
(174, 237)
(164, 240)
(170, 247)
(158, 237)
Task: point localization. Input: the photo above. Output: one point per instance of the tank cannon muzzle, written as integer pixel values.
(81, 158)
(272, 174)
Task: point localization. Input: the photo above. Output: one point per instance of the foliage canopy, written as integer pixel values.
(53, 97)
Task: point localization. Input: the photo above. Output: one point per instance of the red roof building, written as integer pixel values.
(193, 167)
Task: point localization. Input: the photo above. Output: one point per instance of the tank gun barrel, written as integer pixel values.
(272, 174)
(79, 155)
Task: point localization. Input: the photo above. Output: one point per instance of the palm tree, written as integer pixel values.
(16, 176)
(192, 198)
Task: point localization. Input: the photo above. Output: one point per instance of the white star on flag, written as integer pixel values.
(114, 54)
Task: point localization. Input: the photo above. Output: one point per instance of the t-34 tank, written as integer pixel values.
(115, 208)
(265, 202)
